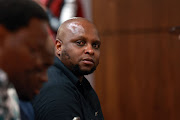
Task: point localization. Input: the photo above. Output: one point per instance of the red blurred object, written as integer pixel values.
(56, 5)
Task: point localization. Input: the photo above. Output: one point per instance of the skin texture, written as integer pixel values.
(25, 56)
(78, 46)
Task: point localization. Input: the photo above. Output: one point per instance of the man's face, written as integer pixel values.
(26, 57)
(80, 48)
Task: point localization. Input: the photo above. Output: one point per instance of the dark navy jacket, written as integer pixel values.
(64, 98)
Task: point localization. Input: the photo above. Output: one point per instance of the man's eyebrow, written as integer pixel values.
(84, 38)
(97, 42)
(81, 37)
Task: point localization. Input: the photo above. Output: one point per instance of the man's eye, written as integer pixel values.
(96, 46)
(80, 43)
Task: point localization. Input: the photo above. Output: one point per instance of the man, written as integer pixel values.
(24, 49)
(68, 95)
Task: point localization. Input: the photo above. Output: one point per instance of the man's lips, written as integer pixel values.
(88, 61)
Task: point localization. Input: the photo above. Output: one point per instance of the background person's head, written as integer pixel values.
(24, 49)
(78, 46)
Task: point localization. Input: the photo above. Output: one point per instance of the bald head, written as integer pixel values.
(74, 26)
(78, 46)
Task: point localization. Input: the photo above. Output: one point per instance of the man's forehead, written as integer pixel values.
(75, 27)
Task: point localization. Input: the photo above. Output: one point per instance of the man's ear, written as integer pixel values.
(58, 45)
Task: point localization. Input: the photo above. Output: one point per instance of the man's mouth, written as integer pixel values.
(88, 61)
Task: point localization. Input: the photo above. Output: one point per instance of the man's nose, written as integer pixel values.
(89, 49)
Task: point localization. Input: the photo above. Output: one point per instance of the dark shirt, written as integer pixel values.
(63, 97)
(26, 110)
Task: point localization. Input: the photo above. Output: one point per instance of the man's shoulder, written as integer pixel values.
(53, 69)
(56, 76)
(58, 82)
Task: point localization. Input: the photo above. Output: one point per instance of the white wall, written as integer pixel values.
(87, 8)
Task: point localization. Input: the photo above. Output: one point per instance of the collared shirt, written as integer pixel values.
(63, 97)
(26, 110)
(9, 103)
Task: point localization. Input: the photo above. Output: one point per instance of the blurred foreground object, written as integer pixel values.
(9, 108)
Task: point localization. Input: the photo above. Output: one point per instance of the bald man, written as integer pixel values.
(68, 95)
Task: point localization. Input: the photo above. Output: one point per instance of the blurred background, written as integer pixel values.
(139, 73)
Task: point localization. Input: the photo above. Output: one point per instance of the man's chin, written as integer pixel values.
(86, 72)
(82, 71)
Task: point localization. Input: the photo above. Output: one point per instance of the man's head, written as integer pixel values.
(24, 50)
(78, 46)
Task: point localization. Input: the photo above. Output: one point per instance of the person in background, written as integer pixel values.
(61, 10)
(25, 54)
(68, 95)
